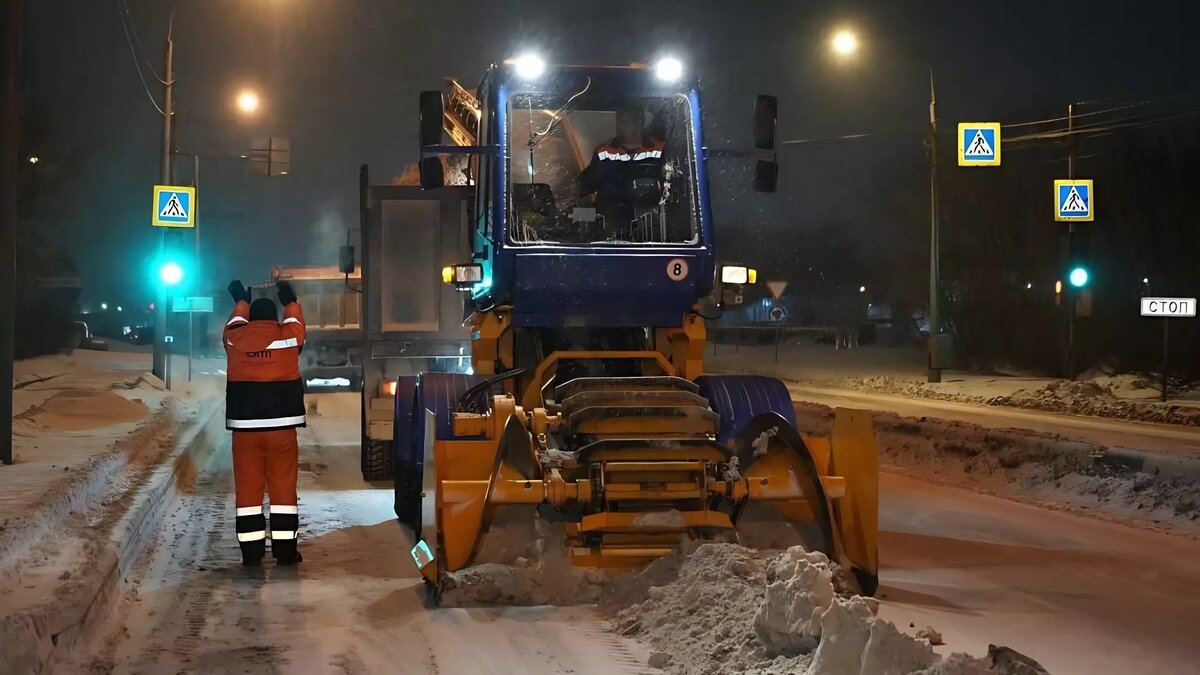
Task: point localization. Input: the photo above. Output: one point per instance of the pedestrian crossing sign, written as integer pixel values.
(174, 206)
(1073, 200)
(979, 144)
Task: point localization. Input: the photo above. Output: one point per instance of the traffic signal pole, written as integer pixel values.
(159, 361)
(1072, 295)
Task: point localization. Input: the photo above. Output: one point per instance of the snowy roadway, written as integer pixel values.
(1079, 594)
(355, 605)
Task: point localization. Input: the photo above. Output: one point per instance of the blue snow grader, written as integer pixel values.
(587, 269)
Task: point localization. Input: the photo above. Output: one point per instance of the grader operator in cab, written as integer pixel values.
(587, 405)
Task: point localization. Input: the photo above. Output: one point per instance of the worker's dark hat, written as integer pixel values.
(263, 309)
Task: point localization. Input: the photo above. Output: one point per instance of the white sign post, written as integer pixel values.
(1167, 308)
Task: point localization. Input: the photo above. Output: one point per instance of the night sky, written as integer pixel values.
(341, 78)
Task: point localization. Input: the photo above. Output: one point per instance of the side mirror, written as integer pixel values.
(346, 259)
(766, 116)
(432, 111)
(766, 175)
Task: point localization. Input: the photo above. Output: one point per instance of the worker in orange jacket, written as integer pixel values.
(264, 404)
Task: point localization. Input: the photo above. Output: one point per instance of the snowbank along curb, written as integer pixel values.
(36, 636)
(1027, 464)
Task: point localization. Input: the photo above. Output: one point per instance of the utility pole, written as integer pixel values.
(10, 135)
(935, 323)
(1072, 295)
(159, 362)
(195, 264)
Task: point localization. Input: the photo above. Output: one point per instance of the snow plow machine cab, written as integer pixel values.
(586, 418)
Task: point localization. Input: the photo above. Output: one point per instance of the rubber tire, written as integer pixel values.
(438, 392)
(376, 460)
(740, 398)
(406, 479)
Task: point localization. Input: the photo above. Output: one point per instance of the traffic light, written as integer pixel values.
(171, 270)
(1079, 267)
(170, 273)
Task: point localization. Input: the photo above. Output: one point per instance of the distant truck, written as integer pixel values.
(332, 354)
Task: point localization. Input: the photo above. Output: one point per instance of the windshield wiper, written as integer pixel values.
(558, 116)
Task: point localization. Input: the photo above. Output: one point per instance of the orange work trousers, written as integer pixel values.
(265, 461)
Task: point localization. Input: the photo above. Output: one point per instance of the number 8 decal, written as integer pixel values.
(677, 269)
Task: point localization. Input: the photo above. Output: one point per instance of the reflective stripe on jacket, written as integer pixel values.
(264, 389)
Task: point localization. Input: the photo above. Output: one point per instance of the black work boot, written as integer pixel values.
(253, 552)
(285, 552)
(284, 524)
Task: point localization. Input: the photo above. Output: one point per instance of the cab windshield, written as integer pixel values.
(586, 168)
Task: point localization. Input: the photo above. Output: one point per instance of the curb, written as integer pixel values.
(38, 637)
(1157, 463)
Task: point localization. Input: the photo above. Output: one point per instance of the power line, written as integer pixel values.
(847, 137)
(1103, 127)
(1086, 114)
(137, 66)
(138, 40)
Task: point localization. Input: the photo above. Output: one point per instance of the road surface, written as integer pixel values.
(1079, 594)
(355, 605)
(1164, 438)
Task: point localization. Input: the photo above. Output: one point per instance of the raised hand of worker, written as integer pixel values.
(286, 295)
(238, 292)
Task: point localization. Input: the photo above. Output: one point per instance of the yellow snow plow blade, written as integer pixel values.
(646, 474)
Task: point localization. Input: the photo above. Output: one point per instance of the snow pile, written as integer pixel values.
(521, 560)
(1126, 397)
(1028, 465)
(799, 590)
(1096, 398)
(734, 609)
(77, 410)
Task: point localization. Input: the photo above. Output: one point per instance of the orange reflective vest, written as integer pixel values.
(264, 389)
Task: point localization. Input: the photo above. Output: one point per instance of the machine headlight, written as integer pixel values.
(463, 276)
(736, 274)
(668, 69)
(530, 66)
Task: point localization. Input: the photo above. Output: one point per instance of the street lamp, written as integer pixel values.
(34, 159)
(844, 43)
(247, 102)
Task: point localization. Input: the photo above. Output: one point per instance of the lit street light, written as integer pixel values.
(34, 159)
(104, 306)
(119, 308)
(862, 289)
(845, 43)
(247, 102)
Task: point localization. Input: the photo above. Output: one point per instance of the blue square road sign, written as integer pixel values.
(1073, 200)
(174, 206)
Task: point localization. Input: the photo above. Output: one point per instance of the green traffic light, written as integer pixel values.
(1078, 277)
(170, 273)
